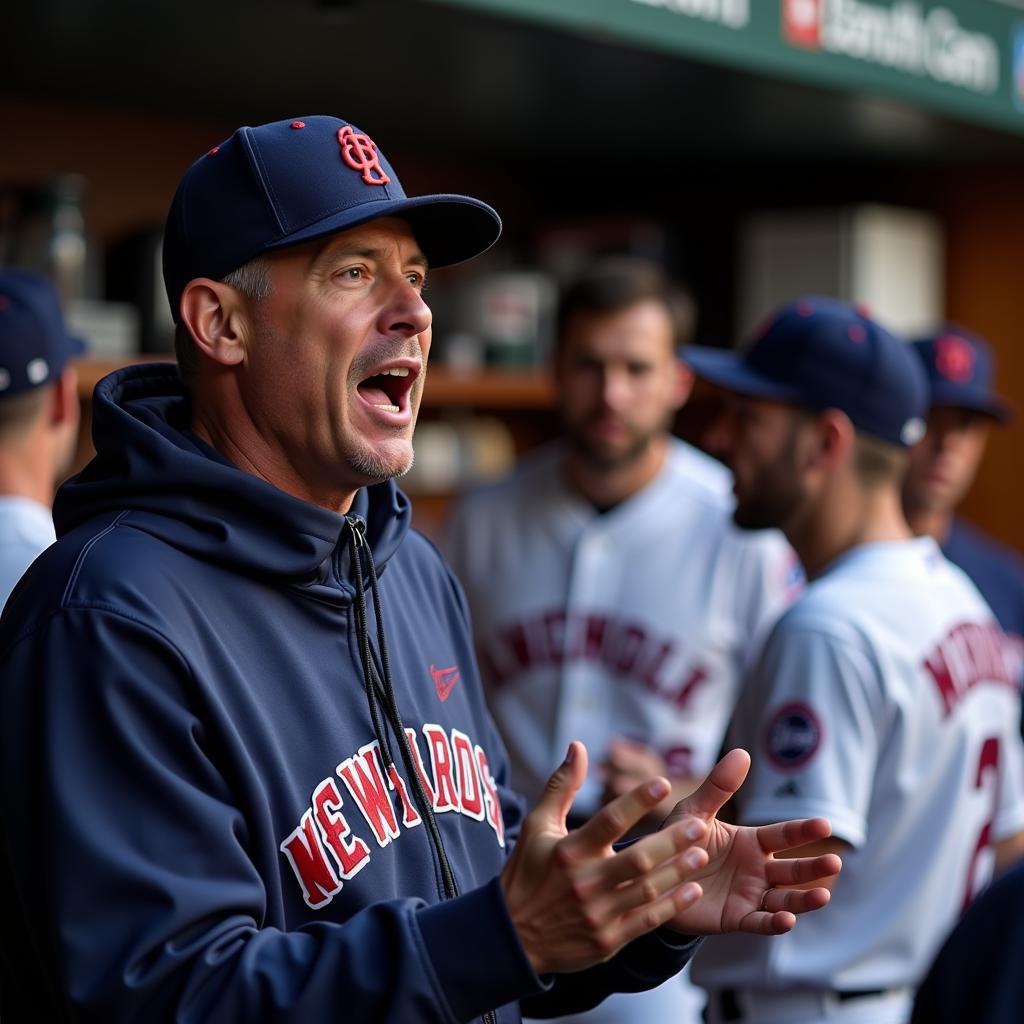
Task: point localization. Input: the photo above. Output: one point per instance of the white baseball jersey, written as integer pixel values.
(633, 623)
(882, 701)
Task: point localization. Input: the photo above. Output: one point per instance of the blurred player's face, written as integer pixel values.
(943, 465)
(335, 369)
(619, 383)
(760, 441)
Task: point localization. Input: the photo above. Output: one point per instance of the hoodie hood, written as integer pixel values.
(148, 461)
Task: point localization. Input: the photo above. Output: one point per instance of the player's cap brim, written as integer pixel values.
(975, 399)
(729, 370)
(448, 228)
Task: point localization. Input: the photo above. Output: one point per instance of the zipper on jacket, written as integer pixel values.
(380, 690)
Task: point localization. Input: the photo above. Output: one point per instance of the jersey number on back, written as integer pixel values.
(988, 770)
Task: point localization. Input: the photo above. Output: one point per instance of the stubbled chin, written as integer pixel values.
(382, 460)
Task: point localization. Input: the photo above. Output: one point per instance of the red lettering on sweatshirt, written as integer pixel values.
(365, 781)
(493, 805)
(410, 816)
(471, 800)
(351, 855)
(323, 850)
(446, 794)
(415, 748)
(308, 861)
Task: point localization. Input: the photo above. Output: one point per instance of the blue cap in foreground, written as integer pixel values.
(292, 181)
(961, 372)
(34, 343)
(824, 354)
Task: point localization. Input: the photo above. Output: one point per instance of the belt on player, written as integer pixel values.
(730, 1002)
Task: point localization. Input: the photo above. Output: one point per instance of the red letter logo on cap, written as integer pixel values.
(954, 359)
(360, 153)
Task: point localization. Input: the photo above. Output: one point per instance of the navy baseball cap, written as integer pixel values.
(292, 181)
(34, 343)
(824, 354)
(961, 370)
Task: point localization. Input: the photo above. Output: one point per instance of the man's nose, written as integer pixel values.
(406, 314)
(615, 388)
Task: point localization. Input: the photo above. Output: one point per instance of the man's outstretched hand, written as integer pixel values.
(575, 900)
(743, 882)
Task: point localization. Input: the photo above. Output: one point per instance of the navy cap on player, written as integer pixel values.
(292, 181)
(34, 343)
(961, 372)
(823, 354)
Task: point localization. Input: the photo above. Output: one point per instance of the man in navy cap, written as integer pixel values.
(38, 417)
(882, 698)
(963, 409)
(247, 772)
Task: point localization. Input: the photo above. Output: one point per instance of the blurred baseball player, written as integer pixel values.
(38, 417)
(612, 597)
(882, 698)
(964, 408)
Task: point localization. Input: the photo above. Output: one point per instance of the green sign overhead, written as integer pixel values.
(964, 58)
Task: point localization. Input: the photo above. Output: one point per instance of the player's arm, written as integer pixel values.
(810, 705)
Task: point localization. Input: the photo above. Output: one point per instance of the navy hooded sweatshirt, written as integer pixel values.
(199, 823)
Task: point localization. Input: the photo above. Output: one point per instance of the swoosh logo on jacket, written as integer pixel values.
(444, 680)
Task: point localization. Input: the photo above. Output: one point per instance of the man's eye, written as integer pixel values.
(416, 280)
(351, 274)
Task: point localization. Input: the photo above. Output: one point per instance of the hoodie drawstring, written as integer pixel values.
(360, 549)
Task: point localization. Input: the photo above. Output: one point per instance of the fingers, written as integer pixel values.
(796, 870)
(780, 908)
(722, 782)
(787, 835)
(654, 915)
(639, 859)
(561, 789)
(795, 901)
(614, 820)
(647, 890)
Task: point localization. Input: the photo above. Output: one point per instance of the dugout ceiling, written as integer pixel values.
(622, 81)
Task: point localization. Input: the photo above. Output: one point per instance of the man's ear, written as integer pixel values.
(215, 315)
(836, 436)
(64, 405)
(682, 385)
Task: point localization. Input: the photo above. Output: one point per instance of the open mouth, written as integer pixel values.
(389, 389)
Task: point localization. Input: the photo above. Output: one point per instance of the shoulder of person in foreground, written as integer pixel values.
(976, 976)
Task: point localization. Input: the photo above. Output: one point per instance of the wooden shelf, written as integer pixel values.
(487, 389)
